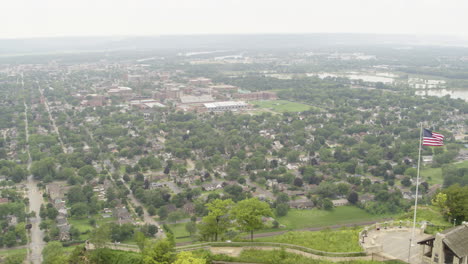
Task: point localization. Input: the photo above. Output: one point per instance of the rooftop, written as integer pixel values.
(225, 104)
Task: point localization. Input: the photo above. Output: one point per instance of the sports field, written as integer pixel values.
(281, 106)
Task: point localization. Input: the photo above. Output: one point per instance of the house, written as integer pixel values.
(64, 234)
(366, 198)
(171, 207)
(340, 202)
(122, 215)
(56, 190)
(4, 200)
(61, 221)
(155, 185)
(303, 203)
(12, 220)
(271, 182)
(211, 186)
(189, 208)
(448, 246)
(58, 203)
(427, 159)
(295, 193)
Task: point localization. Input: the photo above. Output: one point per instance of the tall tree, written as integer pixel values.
(53, 253)
(219, 210)
(248, 214)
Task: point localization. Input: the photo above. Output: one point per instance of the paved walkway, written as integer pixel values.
(395, 242)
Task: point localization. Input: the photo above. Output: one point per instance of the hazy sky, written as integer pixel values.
(44, 18)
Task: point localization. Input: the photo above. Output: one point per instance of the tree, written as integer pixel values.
(205, 228)
(327, 204)
(191, 227)
(282, 209)
(9, 238)
(248, 214)
(88, 172)
(140, 240)
(188, 258)
(151, 210)
(76, 195)
(298, 182)
(43, 168)
(453, 202)
(52, 213)
(100, 236)
(75, 233)
(160, 252)
(139, 210)
(79, 210)
(53, 253)
(162, 212)
(219, 209)
(406, 182)
(353, 197)
(17, 258)
(175, 216)
(282, 198)
(43, 212)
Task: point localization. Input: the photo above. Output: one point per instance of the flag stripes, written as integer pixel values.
(432, 139)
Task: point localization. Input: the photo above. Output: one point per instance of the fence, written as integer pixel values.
(391, 224)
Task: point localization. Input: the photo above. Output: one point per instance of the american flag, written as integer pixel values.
(432, 139)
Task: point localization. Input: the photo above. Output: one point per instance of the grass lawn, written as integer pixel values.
(81, 224)
(345, 240)
(84, 226)
(434, 175)
(426, 213)
(179, 231)
(297, 219)
(8, 252)
(282, 106)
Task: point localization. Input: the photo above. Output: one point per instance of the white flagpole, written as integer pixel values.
(416, 198)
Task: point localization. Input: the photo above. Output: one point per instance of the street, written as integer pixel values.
(36, 242)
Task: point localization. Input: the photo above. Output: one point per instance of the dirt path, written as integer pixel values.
(236, 251)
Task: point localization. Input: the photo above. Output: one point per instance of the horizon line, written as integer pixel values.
(238, 34)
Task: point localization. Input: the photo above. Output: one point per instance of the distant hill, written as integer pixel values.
(203, 42)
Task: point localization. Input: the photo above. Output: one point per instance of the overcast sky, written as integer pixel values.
(48, 18)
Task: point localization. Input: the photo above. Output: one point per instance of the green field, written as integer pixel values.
(84, 226)
(346, 240)
(297, 219)
(434, 175)
(426, 213)
(282, 106)
(180, 233)
(8, 252)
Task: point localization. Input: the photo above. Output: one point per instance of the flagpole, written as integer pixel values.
(416, 198)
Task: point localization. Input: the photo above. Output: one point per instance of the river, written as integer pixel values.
(454, 93)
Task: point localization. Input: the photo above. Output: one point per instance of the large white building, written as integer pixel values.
(226, 106)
